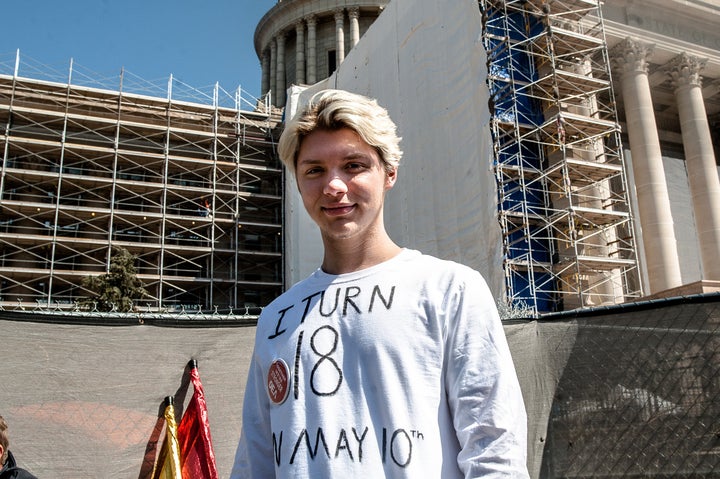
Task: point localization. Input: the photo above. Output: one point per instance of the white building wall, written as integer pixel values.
(415, 61)
(683, 219)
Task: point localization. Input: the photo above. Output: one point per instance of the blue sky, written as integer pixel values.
(199, 42)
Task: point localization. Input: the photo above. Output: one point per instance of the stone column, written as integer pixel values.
(339, 36)
(699, 159)
(658, 235)
(607, 286)
(265, 61)
(311, 49)
(273, 71)
(354, 14)
(300, 52)
(280, 80)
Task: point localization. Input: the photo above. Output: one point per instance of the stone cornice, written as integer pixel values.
(665, 48)
(692, 21)
(616, 32)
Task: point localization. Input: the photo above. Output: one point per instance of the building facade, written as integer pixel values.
(626, 94)
(666, 71)
(193, 190)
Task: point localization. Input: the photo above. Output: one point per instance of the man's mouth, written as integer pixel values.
(338, 210)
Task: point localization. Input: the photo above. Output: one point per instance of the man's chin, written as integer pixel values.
(339, 234)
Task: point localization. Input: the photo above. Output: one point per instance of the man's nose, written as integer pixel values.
(335, 186)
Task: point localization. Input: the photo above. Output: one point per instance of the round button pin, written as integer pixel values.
(278, 381)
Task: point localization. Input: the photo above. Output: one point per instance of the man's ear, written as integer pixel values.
(390, 178)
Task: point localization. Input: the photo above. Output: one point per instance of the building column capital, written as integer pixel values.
(339, 14)
(684, 70)
(311, 20)
(632, 56)
(354, 13)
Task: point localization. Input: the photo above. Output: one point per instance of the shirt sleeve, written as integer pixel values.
(484, 395)
(254, 455)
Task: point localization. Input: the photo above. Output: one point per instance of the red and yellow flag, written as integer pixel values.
(197, 457)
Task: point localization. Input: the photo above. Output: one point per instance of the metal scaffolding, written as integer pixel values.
(193, 190)
(563, 198)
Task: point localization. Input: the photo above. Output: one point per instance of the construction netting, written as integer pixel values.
(629, 391)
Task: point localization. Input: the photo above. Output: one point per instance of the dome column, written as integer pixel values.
(339, 36)
(311, 49)
(280, 76)
(300, 53)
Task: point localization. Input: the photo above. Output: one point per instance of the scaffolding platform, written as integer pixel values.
(571, 87)
(583, 172)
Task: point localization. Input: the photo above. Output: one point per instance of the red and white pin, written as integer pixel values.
(278, 381)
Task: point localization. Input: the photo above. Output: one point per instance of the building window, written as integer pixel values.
(331, 61)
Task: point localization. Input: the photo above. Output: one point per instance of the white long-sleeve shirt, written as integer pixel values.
(401, 370)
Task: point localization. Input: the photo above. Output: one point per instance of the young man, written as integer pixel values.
(384, 363)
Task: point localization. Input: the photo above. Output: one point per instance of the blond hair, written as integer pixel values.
(336, 109)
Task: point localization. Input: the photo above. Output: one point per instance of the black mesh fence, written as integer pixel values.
(630, 391)
(639, 395)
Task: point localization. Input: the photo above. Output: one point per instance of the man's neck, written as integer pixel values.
(348, 256)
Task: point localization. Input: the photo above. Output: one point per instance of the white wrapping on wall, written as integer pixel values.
(424, 61)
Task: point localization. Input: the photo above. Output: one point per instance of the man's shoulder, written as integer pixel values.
(434, 265)
(11, 471)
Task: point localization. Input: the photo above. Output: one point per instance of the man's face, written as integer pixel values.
(342, 183)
